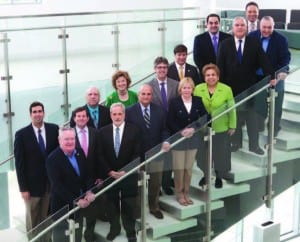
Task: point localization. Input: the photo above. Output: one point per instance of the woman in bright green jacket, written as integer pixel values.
(217, 97)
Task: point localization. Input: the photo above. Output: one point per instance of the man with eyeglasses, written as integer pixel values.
(206, 44)
(164, 89)
(32, 145)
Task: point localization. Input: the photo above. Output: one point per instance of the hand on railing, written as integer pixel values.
(273, 82)
(188, 132)
(116, 174)
(281, 76)
(231, 132)
(89, 196)
(25, 196)
(83, 203)
(165, 146)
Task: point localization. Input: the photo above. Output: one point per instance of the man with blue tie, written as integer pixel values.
(98, 114)
(275, 45)
(118, 144)
(32, 145)
(163, 90)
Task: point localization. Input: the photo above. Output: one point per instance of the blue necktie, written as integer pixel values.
(117, 141)
(41, 141)
(147, 118)
(74, 163)
(215, 43)
(239, 51)
(95, 120)
(164, 96)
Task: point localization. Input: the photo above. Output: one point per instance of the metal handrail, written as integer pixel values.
(7, 160)
(146, 162)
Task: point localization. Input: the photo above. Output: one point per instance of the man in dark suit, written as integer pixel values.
(118, 145)
(86, 138)
(66, 168)
(238, 59)
(206, 44)
(251, 13)
(276, 47)
(180, 68)
(153, 132)
(32, 145)
(164, 89)
(98, 114)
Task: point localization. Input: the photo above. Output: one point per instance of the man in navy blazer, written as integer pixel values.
(276, 47)
(170, 85)
(70, 183)
(97, 113)
(86, 140)
(152, 134)
(180, 68)
(30, 163)
(240, 75)
(118, 146)
(204, 51)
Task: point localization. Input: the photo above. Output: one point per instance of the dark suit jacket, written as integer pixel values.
(103, 120)
(178, 118)
(30, 161)
(156, 134)
(190, 71)
(66, 185)
(129, 148)
(93, 169)
(241, 76)
(203, 51)
(278, 50)
(172, 90)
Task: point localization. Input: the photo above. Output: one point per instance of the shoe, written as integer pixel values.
(168, 191)
(202, 182)
(218, 183)
(276, 131)
(112, 234)
(131, 239)
(182, 201)
(157, 214)
(234, 147)
(257, 150)
(189, 201)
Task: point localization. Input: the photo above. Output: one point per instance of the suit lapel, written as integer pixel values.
(156, 90)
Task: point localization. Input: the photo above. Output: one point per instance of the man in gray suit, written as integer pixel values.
(164, 89)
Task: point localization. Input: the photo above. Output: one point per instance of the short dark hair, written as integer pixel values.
(250, 4)
(79, 109)
(180, 48)
(212, 15)
(159, 60)
(35, 104)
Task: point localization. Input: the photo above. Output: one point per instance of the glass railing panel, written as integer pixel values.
(58, 232)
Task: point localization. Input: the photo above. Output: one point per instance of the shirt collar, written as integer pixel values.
(121, 127)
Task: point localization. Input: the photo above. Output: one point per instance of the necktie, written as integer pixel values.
(84, 144)
(41, 141)
(147, 118)
(164, 96)
(265, 43)
(95, 120)
(74, 163)
(215, 43)
(117, 141)
(239, 51)
(181, 74)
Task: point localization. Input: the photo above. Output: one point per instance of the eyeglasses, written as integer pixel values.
(161, 67)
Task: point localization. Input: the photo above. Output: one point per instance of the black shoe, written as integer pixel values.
(131, 238)
(202, 182)
(218, 183)
(257, 150)
(157, 214)
(168, 191)
(234, 147)
(112, 234)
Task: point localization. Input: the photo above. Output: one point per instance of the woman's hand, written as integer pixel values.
(231, 132)
(188, 132)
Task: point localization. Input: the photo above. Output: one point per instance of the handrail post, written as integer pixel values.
(162, 28)
(71, 232)
(208, 139)
(143, 205)
(7, 77)
(65, 106)
(116, 32)
(270, 146)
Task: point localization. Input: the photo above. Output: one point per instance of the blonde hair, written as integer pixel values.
(185, 80)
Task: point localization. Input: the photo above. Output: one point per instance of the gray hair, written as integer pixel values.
(121, 105)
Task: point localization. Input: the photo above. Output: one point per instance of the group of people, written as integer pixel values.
(62, 166)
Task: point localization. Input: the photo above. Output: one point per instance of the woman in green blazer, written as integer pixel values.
(217, 97)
